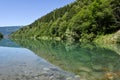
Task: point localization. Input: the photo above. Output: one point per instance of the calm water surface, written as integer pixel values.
(51, 60)
(18, 63)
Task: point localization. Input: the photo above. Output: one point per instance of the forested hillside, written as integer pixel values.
(79, 21)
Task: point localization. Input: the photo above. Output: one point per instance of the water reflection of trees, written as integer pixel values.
(88, 60)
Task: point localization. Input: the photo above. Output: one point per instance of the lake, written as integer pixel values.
(22, 59)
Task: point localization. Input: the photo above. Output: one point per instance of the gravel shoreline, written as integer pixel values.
(45, 74)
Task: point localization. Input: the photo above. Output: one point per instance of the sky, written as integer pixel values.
(24, 12)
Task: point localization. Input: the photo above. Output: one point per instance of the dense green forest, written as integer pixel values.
(1, 36)
(82, 20)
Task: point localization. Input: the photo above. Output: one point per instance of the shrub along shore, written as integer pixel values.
(1, 36)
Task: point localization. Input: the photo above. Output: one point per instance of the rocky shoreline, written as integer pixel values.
(45, 74)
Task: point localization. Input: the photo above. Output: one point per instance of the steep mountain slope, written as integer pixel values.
(82, 20)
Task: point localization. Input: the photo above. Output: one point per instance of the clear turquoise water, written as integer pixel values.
(18, 63)
(89, 61)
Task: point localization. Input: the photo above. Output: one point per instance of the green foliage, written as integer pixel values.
(1, 36)
(85, 19)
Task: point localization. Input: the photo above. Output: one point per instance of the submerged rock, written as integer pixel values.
(77, 77)
(69, 78)
(109, 76)
(46, 69)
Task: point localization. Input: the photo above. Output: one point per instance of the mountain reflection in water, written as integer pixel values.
(17, 63)
(90, 61)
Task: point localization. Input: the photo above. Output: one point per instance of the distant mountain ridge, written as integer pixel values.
(8, 43)
(8, 29)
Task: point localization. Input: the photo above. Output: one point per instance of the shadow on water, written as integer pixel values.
(90, 61)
